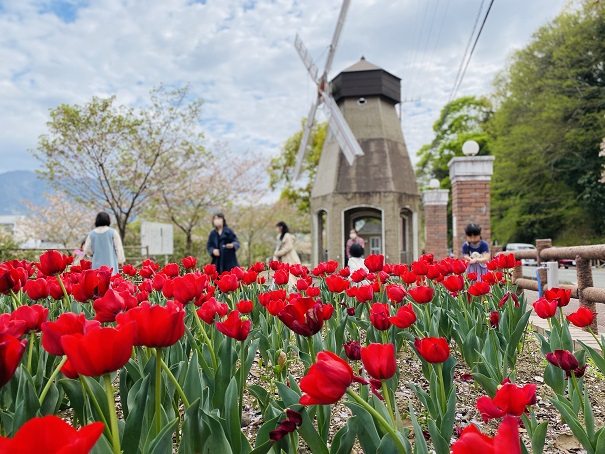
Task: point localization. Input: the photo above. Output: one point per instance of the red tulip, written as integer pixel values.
(471, 276)
(379, 360)
(353, 350)
(421, 294)
(281, 277)
(337, 284)
(374, 262)
(474, 442)
(420, 268)
(245, 306)
(112, 303)
(189, 262)
(494, 319)
(155, 326)
(68, 323)
(93, 284)
(129, 270)
(294, 419)
(395, 293)
(234, 326)
(453, 283)
(99, 351)
(405, 317)
(37, 289)
(188, 288)
(434, 273)
(364, 293)
(11, 352)
(301, 285)
(52, 435)
(210, 309)
(171, 270)
(53, 263)
(379, 316)
(561, 295)
(433, 349)
(582, 317)
(304, 316)
(13, 327)
(479, 288)
(327, 310)
(459, 266)
(563, 359)
(327, 380)
(12, 277)
(545, 308)
(33, 316)
(359, 275)
(506, 297)
(227, 283)
(510, 399)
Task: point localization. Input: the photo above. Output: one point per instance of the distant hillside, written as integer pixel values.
(20, 185)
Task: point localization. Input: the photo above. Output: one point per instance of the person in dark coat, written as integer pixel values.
(222, 244)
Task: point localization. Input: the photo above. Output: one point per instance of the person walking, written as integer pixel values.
(104, 245)
(285, 251)
(222, 245)
(354, 238)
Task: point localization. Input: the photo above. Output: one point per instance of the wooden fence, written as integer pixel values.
(584, 256)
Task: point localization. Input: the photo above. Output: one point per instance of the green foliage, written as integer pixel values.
(547, 131)
(282, 167)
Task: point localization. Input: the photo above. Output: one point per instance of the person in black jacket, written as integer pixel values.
(222, 244)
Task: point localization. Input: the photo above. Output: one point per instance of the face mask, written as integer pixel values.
(352, 236)
(218, 223)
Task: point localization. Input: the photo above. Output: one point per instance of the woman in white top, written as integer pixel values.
(104, 244)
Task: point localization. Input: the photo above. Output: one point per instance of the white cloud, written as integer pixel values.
(240, 58)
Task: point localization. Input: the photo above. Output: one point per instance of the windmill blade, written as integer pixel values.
(345, 137)
(336, 37)
(302, 149)
(305, 57)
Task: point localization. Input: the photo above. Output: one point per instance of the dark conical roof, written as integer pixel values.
(362, 65)
(365, 79)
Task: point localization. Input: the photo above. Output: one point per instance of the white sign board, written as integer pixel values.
(157, 238)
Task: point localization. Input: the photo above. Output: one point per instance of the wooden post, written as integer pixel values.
(585, 280)
(540, 245)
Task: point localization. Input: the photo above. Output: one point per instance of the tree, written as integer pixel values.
(281, 169)
(548, 129)
(114, 157)
(61, 221)
(462, 119)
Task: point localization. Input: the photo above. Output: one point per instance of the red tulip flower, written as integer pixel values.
(189, 288)
(337, 284)
(327, 380)
(545, 308)
(155, 326)
(374, 262)
(563, 359)
(68, 323)
(494, 319)
(301, 285)
(505, 441)
(234, 326)
(245, 306)
(12, 277)
(422, 294)
(281, 277)
(561, 295)
(99, 351)
(209, 310)
(364, 293)
(396, 293)
(92, 284)
(52, 435)
(479, 288)
(433, 349)
(506, 297)
(37, 289)
(33, 316)
(379, 360)
(453, 283)
(405, 317)
(53, 263)
(353, 350)
(293, 421)
(582, 317)
(189, 262)
(129, 270)
(8, 325)
(112, 303)
(379, 316)
(227, 283)
(304, 316)
(11, 352)
(510, 399)
(420, 268)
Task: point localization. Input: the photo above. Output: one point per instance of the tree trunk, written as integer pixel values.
(188, 243)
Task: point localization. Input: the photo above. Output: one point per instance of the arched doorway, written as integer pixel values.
(322, 240)
(406, 254)
(368, 222)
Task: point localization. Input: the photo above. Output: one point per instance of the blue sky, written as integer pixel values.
(239, 56)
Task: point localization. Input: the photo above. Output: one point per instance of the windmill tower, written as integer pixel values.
(364, 178)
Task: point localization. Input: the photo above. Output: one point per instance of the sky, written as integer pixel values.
(238, 55)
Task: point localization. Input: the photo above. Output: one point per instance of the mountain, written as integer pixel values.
(21, 185)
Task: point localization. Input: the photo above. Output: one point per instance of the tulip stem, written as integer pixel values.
(311, 349)
(158, 390)
(385, 425)
(242, 378)
(442, 387)
(176, 384)
(206, 339)
(111, 403)
(387, 399)
(50, 380)
(595, 338)
(30, 350)
(65, 295)
(95, 403)
(15, 299)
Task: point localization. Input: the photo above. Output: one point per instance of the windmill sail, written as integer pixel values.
(339, 126)
(302, 148)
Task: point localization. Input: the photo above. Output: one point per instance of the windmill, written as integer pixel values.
(337, 123)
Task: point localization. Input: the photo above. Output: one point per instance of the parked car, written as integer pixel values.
(566, 263)
(520, 247)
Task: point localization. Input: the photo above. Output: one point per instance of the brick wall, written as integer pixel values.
(470, 204)
(435, 230)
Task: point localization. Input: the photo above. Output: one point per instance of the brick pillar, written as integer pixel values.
(470, 177)
(435, 222)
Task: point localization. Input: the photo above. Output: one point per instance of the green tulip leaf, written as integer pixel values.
(132, 440)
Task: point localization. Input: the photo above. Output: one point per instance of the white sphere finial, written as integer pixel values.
(470, 148)
(434, 183)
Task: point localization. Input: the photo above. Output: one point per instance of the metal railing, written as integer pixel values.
(588, 295)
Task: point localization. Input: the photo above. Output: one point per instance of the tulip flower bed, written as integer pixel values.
(159, 359)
